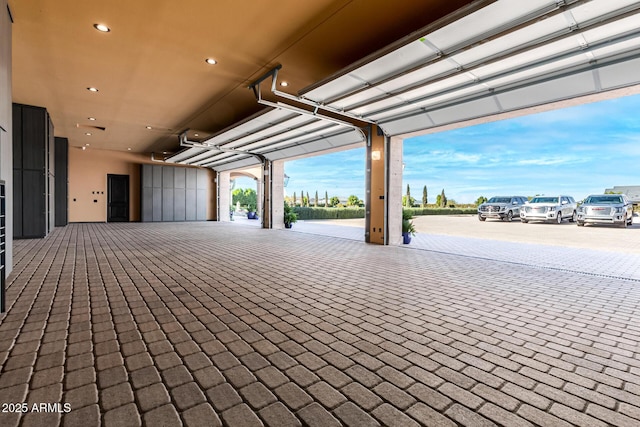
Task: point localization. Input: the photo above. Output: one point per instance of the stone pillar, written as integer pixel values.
(224, 195)
(277, 194)
(394, 190)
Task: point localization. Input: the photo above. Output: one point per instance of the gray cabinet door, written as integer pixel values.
(147, 204)
(170, 193)
(179, 199)
(157, 204)
(190, 204)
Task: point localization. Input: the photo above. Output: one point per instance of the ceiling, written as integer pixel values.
(150, 68)
(488, 60)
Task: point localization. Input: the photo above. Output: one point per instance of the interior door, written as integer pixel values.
(117, 198)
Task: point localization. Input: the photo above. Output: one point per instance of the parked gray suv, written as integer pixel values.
(501, 207)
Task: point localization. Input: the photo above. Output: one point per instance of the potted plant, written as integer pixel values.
(289, 216)
(251, 212)
(408, 229)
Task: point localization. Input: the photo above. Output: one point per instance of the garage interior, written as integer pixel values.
(143, 306)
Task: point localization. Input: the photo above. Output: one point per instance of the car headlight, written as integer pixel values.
(552, 208)
(619, 209)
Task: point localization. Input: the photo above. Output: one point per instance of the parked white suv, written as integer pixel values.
(549, 208)
(606, 209)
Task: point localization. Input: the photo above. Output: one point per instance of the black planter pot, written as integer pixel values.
(251, 215)
(406, 238)
(288, 225)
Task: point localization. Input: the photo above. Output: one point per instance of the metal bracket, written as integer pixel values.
(273, 73)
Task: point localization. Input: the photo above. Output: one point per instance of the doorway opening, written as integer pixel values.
(117, 198)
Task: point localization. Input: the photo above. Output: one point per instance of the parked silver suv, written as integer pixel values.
(504, 208)
(605, 209)
(545, 208)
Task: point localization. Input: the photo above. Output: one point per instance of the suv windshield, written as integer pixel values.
(499, 200)
(544, 200)
(604, 199)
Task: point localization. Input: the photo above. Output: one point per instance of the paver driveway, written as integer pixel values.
(210, 324)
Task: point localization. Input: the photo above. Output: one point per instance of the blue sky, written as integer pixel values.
(575, 151)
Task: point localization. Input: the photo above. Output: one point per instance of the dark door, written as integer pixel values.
(117, 198)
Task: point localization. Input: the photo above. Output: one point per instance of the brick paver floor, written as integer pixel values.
(202, 324)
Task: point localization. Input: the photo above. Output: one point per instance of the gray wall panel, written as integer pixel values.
(191, 178)
(157, 204)
(179, 175)
(170, 193)
(62, 181)
(201, 205)
(147, 176)
(157, 176)
(167, 176)
(146, 204)
(190, 204)
(201, 179)
(167, 204)
(179, 198)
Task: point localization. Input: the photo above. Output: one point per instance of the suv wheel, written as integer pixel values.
(580, 223)
(559, 217)
(481, 218)
(509, 216)
(573, 217)
(624, 222)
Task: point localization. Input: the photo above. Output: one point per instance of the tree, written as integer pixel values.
(294, 199)
(353, 200)
(316, 200)
(246, 197)
(408, 198)
(439, 200)
(408, 204)
(480, 200)
(237, 196)
(326, 199)
(424, 196)
(334, 201)
(308, 200)
(443, 199)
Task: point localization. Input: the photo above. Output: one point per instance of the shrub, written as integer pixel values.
(328, 213)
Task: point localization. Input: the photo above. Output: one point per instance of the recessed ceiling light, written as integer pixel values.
(195, 134)
(102, 28)
(211, 61)
(93, 119)
(87, 144)
(164, 152)
(84, 148)
(284, 84)
(88, 133)
(92, 89)
(149, 127)
(128, 149)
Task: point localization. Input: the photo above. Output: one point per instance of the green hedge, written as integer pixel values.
(328, 213)
(348, 213)
(442, 211)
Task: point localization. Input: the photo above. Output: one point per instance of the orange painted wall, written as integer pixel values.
(88, 170)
